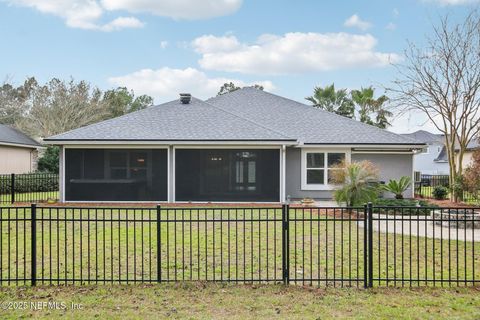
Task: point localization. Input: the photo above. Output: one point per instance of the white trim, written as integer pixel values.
(167, 142)
(109, 146)
(360, 146)
(226, 146)
(62, 196)
(173, 174)
(283, 175)
(303, 163)
(382, 152)
(27, 146)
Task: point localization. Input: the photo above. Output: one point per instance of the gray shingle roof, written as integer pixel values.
(175, 121)
(309, 125)
(425, 136)
(10, 135)
(246, 114)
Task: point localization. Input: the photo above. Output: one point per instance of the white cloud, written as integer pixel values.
(391, 26)
(291, 53)
(356, 22)
(166, 83)
(163, 44)
(87, 14)
(210, 43)
(82, 14)
(121, 23)
(177, 9)
(453, 2)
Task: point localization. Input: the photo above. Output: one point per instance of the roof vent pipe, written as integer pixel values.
(185, 98)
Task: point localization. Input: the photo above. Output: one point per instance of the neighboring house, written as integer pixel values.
(433, 158)
(245, 146)
(468, 155)
(18, 152)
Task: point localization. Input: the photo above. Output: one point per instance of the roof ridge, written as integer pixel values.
(109, 120)
(318, 110)
(249, 120)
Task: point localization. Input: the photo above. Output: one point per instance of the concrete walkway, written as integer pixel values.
(421, 226)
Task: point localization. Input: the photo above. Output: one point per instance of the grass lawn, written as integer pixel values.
(218, 301)
(215, 244)
(6, 199)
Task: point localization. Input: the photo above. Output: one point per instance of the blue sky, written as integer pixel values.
(165, 47)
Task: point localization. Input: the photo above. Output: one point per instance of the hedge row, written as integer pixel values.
(30, 182)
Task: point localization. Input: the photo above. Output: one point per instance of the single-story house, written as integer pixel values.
(432, 159)
(244, 146)
(18, 152)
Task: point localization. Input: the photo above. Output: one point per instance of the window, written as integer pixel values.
(318, 168)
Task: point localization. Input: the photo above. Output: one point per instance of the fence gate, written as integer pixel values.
(326, 246)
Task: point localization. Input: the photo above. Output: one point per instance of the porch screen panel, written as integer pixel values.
(116, 174)
(227, 175)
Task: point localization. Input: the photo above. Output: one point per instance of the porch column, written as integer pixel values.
(61, 174)
(171, 174)
(283, 166)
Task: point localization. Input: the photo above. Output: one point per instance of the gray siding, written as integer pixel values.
(391, 166)
(293, 187)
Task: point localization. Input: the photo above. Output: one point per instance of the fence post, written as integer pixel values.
(34, 243)
(285, 244)
(12, 189)
(159, 248)
(365, 246)
(370, 244)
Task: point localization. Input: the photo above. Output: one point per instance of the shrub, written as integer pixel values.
(356, 179)
(50, 160)
(397, 205)
(30, 182)
(398, 187)
(440, 193)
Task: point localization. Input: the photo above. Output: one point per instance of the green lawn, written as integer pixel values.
(204, 245)
(29, 197)
(217, 301)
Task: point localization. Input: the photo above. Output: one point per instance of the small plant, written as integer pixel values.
(356, 179)
(398, 187)
(440, 193)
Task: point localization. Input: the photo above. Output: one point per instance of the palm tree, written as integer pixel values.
(367, 104)
(329, 99)
(357, 180)
(398, 187)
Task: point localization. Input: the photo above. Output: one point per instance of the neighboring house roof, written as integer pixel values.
(473, 145)
(11, 136)
(245, 114)
(442, 156)
(425, 137)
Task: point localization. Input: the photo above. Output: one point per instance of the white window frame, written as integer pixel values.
(325, 186)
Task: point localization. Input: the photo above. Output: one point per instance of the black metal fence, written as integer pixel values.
(28, 187)
(362, 247)
(425, 185)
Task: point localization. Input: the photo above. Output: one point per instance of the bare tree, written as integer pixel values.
(60, 106)
(442, 80)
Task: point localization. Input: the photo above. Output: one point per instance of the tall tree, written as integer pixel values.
(230, 87)
(329, 99)
(121, 101)
(442, 81)
(13, 101)
(59, 106)
(368, 107)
